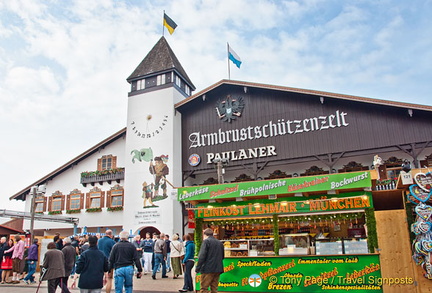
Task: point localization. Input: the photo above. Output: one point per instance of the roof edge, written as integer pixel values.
(306, 91)
(69, 163)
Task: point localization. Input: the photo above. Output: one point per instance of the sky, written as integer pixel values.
(64, 64)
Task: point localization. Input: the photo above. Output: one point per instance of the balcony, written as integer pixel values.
(102, 176)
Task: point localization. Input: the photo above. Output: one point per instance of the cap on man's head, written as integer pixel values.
(208, 232)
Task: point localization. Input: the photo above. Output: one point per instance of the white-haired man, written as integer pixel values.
(69, 253)
(122, 259)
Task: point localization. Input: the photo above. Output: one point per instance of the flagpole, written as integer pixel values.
(229, 74)
(163, 19)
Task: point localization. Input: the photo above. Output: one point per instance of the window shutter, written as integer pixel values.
(99, 164)
(88, 200)
(44, 204)
(114, 162)
(108, 199)
(68, 200)
(62, 202)
(82, 201)
(102, 199)
(50, 204)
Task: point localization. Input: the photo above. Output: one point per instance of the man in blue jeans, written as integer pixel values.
(32, 259)
(122, 259)
(160, 254)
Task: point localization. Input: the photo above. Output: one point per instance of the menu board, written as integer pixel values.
(325, 248)
(356, 246)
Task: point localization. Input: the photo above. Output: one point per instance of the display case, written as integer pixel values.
(238, 247)
(295, 244)
(328, 247)
(261, 247)
(248, 247)
(356, 246)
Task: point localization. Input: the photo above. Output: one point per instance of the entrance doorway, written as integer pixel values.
(150, 229)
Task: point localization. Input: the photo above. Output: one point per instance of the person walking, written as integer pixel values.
(105, 244)
(54, 265)
(188, 262)
(6, 264)
(32, 259)
(148, 253)
(122, 258)
(160, 253)
(69, 253)
(17, 257)
(177, 252)
(91, 267)
(210, 262)
(168, 257)
(139, 245)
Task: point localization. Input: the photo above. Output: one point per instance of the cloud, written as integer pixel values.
(63, 65)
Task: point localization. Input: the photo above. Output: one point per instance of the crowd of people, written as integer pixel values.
(93, 262)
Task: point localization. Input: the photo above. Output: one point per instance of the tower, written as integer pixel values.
(153, 142)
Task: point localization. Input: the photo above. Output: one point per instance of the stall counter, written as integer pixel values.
(335, 273)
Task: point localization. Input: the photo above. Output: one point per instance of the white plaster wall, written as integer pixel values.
(70, 179)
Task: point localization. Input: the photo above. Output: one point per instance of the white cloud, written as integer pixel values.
(63, 65)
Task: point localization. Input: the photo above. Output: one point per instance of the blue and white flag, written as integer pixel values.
(234, 57)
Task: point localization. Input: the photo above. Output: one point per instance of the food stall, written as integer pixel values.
(306, 234)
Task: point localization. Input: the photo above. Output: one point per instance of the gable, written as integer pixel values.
(279, 126)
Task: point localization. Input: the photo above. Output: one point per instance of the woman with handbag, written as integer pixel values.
(177, 254)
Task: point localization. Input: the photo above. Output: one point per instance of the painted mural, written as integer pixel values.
(155, 189)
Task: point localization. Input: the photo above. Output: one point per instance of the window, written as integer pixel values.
(95, 198)
(40, 204)
(115, 197)
(187, 90)
(160, 79)
(107, 162)
(140, 84)
(75, 200)
(56, 202)
(177, 81)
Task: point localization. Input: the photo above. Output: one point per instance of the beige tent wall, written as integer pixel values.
(395, 253)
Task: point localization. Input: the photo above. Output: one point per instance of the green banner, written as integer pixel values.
(289, 205)
(276, 186)
(357, 273)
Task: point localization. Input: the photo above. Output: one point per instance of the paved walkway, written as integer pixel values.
(144, 285)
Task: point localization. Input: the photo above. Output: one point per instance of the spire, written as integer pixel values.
(160, 59)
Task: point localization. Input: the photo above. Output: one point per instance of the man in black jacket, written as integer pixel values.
(69, 253)
(91, 266)
(122, 258)
(210, 262)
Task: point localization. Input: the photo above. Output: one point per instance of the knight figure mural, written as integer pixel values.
(159, 169)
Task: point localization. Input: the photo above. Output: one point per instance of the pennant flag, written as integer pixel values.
(234, 57)
(169, 24)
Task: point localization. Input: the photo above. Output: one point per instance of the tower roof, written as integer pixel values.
(160, 58)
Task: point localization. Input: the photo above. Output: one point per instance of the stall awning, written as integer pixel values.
(252, 189)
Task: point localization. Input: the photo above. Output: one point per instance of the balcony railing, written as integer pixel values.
(103, 178)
